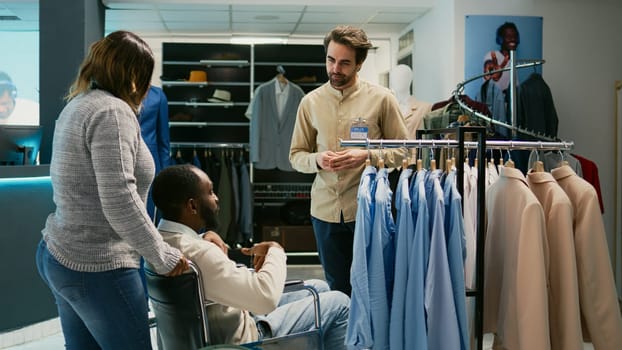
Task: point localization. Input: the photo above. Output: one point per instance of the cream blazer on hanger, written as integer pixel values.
(600, 313)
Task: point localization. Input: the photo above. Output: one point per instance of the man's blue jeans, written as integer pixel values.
(98, 310)
(296, 313)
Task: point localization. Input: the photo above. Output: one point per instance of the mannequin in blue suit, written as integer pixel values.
(153, 121)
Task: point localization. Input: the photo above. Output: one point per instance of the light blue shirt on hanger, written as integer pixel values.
(443, 328)
(359, 332)
(456, 252)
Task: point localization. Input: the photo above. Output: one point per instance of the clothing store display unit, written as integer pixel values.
(210, 87)
(461, 144)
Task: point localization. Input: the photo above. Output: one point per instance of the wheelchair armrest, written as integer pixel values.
(296, 285)
(293, 285)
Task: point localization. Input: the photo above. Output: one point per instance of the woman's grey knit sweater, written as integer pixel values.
(101, 171)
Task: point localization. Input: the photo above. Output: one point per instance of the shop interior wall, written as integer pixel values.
(582, 51)
(378, 61)
(581, 46)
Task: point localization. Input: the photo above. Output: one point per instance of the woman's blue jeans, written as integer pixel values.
(98, 310)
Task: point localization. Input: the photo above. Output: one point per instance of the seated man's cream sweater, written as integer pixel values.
(237, 290)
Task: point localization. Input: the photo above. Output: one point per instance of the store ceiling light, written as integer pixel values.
(257, 40)
(266, 17)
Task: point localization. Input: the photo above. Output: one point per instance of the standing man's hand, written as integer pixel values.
(341, 160)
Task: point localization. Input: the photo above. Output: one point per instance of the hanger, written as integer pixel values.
(432, 160)
(449, 163)
(368, 160)
(538, 166)
(280, 76)
(405, 159)
(380, 157)
(563, 161)
(416, 158)
(509, 163)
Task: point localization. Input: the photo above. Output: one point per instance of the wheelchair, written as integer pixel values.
(178, 304)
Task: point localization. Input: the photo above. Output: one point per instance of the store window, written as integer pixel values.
(20, 131)
(19, 63)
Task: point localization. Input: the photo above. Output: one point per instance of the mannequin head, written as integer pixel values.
(400, 78)
(8, 92)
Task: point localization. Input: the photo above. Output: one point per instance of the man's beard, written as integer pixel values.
(210, 217)
(339, 80)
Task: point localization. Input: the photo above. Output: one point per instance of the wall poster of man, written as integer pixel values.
(488, 42)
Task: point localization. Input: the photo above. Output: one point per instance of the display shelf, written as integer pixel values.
(204, 124)
(206, 104)
(238, 69)
(292, 64)
(209, 63)
(202, 84)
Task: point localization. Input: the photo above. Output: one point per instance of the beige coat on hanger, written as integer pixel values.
(600, 313)
(516, 262)
(564, 315)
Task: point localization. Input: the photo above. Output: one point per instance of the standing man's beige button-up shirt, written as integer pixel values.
(325, 116)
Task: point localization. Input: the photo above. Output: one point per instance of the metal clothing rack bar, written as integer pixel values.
(446, 143)
(514, 65)
(519, 65)
(208, 145)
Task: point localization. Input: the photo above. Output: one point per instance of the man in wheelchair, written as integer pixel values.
(250, 304)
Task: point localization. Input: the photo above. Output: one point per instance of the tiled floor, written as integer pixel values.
(47, 335)
(56, 341)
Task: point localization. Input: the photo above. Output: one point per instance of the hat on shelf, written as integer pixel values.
(181, 117)
(197, 76)
(220, 96)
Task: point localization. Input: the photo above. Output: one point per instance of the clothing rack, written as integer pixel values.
(512, 86)
(481, 145)
(447, 143)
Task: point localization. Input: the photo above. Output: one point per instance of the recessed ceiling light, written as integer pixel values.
(266, 17)
(257, 40)
(9, 18)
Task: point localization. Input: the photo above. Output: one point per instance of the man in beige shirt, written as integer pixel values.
(250, 304)
(345, 107)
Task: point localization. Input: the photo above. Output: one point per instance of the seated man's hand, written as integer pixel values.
(215, 238)
(258, 252)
